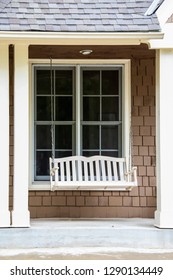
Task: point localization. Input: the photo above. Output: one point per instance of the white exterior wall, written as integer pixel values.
(4, 138)
(20, 214)
(164, 136)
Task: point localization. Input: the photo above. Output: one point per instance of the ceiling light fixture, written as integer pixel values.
(86, 52)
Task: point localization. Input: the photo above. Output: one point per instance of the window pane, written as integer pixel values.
(110, 153)
(91, 108)
(90, 153)
(43, 108)
(43, 82)
(63, 109)
(109, 137)
(63, 82)
(60, 154)
(63, 137)
(110, 109)
(90, 137)
(42, 166)
(91, 82)
(43, 136)
(110, 82)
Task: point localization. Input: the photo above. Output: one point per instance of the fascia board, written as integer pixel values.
(134, 38)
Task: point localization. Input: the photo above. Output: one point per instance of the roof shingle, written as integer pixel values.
(78, 15)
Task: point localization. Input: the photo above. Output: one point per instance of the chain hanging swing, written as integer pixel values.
(52, 128)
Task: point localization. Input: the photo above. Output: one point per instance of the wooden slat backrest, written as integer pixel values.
(91, 168)
(103, 171)
(96, 168)
(73, 170)
(97, 172)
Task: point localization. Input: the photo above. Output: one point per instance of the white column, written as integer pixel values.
(20, 214)
(164, 137)
(4, 138)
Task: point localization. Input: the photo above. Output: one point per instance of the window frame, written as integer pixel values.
(125, 64)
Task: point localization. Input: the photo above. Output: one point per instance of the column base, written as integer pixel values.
(5, 219)
(20, 219)
(163, 219)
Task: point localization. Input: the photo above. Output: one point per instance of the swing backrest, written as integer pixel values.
(98, 171)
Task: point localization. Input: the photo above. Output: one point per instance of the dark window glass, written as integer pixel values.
(43, 136)
(61, 154)
(109, 137)
(63, 82)
(91, 108)
(110, 82)
(42, 166)
(110, 109)
(90, 153)
(90, 137)
(63, 108)
(43, 82)
(63, 137)
(109, 153)
(43, 108)
(91, 82)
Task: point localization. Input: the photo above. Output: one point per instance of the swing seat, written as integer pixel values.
(91, 173)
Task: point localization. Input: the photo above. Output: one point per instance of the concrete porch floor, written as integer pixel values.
(87, 239)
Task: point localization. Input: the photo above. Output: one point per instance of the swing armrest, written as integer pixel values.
(132, 172)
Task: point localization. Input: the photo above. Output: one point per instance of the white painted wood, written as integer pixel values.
(86, 171)
(98, 179)
(56, 174)
(115, 171)
(4, 138)
(20, 213)
(109, 170)
(79, 172)
(164, 137)
(121, 171)
(103, 172)
(91, 171)
(62, 176)
(73, 170)
(68, 171)
(165, 11)
(97, 170)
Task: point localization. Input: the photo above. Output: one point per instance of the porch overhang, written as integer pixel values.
(74, 38)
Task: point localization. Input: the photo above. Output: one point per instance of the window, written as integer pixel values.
(87, 113)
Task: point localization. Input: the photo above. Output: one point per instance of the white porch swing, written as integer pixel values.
(89, 173)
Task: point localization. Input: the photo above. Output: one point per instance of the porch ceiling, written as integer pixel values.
(99, 52)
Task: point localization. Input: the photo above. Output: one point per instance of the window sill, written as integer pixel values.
(40, 186)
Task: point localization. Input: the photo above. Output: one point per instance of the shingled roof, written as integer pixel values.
(77, 16)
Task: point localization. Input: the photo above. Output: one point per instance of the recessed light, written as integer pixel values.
(86, 52)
